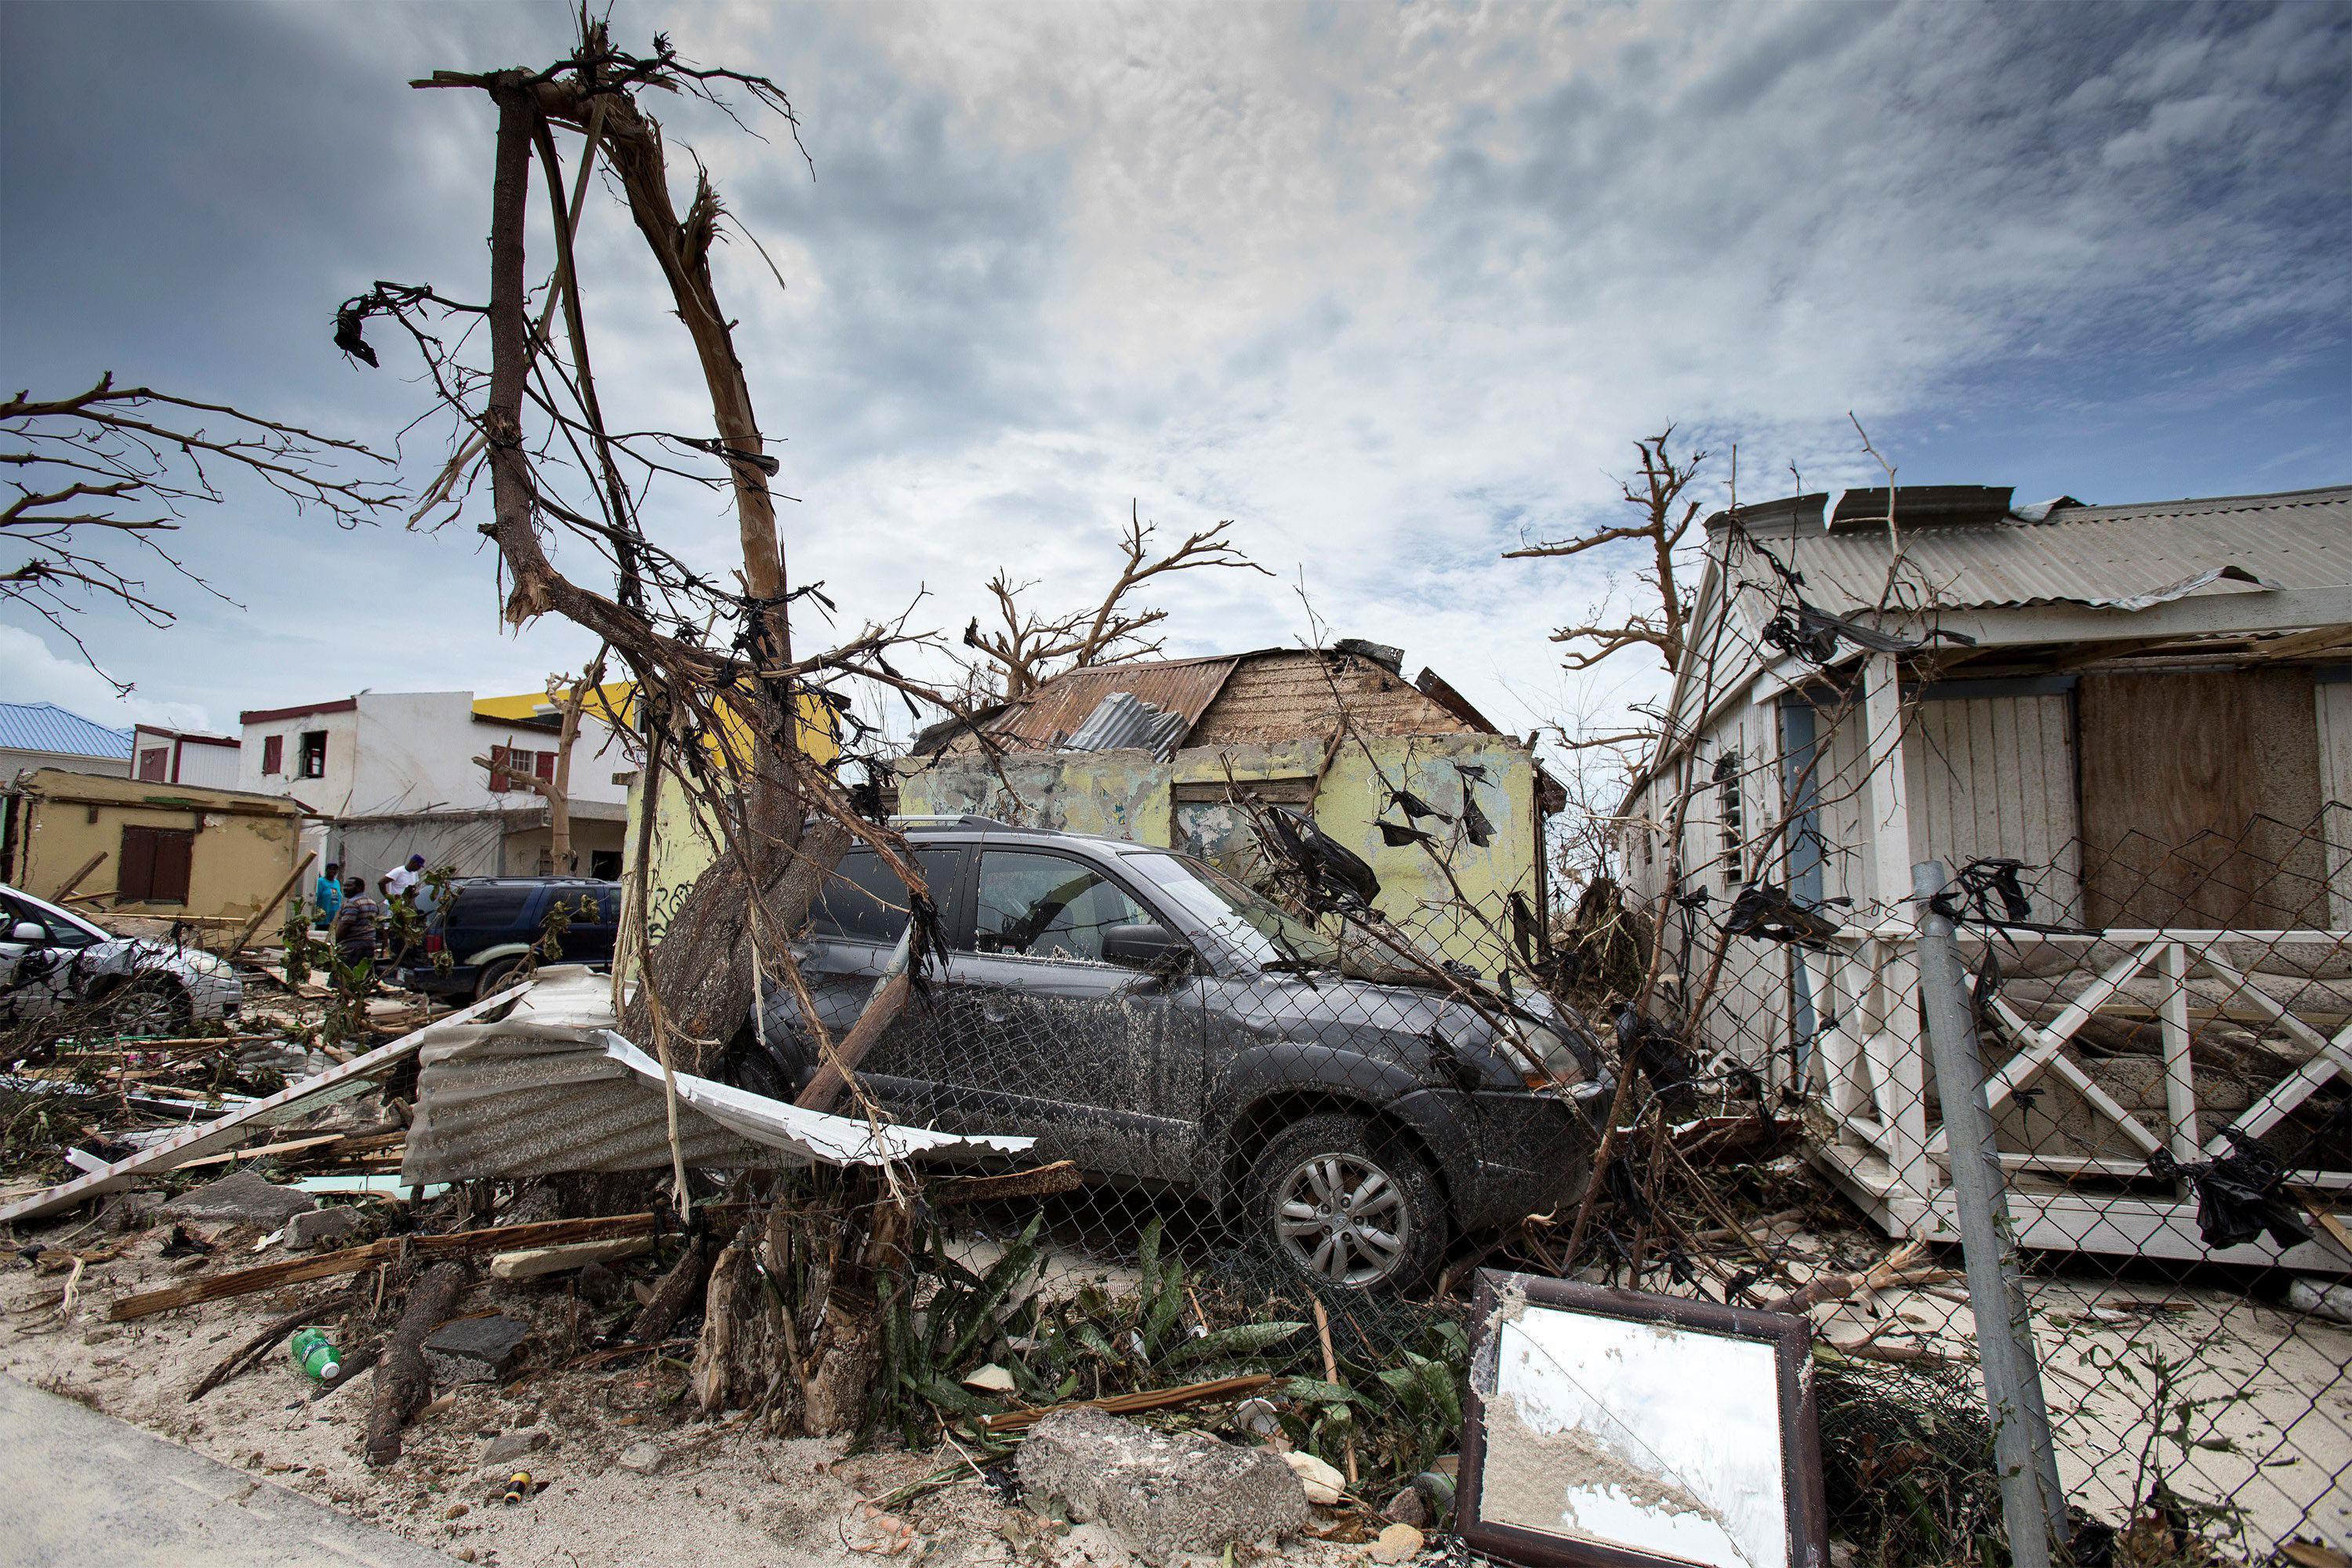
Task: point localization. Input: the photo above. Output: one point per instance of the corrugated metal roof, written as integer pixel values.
(1049, 716)
(2110, 555)
(46, 727)
(1123, 721)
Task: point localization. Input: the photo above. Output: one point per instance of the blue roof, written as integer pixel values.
(46, 727)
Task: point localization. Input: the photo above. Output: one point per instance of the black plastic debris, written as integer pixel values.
(1415, 808)
(1643, 1045)
(2238, 1196)
(1475, 826)
(1768, 913)
(1396, 834)
(1331, 873)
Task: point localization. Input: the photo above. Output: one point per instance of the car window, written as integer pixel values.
(864, 900)
(1268, 936)
(489, 908)
(608, 906)
(1047, 906)
(62, 932)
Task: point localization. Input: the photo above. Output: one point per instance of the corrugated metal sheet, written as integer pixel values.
(553, 1089)
(1124, 721)
(2111, 555)
(46, 727)
(1048, 718)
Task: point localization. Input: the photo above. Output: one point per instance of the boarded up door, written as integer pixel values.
(2201, 800)
(154, 865)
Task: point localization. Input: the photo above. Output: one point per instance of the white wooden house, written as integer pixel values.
(2150, 707)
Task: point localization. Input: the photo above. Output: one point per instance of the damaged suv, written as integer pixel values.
(1154, 1020)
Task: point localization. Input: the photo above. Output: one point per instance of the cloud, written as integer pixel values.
(29, 672)
(1392, 288)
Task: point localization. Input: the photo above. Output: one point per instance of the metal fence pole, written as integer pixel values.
(2032, 1501)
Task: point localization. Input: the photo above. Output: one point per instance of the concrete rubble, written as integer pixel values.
(1161, 1493)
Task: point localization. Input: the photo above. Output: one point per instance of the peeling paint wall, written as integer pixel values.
(1128, 794)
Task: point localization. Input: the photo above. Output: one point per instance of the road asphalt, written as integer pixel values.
(80, 1488)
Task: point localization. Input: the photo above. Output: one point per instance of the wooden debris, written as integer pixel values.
(1061, 1177)
(532, 1262)
(1143, 1399)
(352, 1259)
(679, 1289)
(269, 906)
(1888, 1270)
(402, 1381)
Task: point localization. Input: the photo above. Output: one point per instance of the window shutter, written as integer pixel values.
(134, 879)
(499, 782)
(273, 755)
(174, 853)
(544, 765)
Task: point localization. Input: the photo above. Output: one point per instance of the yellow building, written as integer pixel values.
(1156, 750)
(209, 856)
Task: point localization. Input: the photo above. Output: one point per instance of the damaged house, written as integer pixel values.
(2148, 708)
(1446, 808)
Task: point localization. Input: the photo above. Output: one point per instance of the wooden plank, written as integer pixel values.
(352, 1259)
(335, 1083)
(2208, 827)
(66, 887)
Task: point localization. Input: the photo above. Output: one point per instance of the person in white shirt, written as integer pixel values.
(401, 881)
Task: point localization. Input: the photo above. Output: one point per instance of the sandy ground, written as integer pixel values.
(2267, 1396)
(726, 1496)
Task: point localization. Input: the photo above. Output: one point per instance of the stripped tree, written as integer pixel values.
(1029, 646)
(725, 701)
(102, 478)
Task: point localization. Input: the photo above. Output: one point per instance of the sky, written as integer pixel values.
(1394, 288)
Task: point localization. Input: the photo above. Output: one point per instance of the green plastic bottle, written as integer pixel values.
(315, 1354)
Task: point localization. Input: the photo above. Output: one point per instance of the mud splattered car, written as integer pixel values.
(1152, 1019)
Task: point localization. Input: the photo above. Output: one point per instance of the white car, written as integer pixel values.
(53, 961)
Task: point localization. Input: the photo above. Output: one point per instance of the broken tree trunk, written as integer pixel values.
(403, 1381)
(679, 1289)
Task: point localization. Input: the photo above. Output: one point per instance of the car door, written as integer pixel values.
(1101, 1062)
(854, 923)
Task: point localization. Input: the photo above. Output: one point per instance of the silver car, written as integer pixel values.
(52, 961)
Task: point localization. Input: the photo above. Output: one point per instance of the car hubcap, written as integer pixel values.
(1343, 1218)
(142, 1012)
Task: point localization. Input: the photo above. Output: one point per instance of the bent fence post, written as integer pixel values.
(2032, 1501)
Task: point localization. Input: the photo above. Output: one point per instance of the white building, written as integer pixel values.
(393, 774)
(2148, 709)
(159, 755)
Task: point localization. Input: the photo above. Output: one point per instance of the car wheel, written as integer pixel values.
(496, 977)
(156, 1008)
(1349, 1206)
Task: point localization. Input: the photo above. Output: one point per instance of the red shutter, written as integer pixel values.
(134, 878)
(499, 782)
(544, 765)
(174, 853)
(273, 755)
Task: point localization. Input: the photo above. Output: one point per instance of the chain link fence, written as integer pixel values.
(1296, 1128)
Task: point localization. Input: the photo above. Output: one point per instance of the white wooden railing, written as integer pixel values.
(1867, 1074)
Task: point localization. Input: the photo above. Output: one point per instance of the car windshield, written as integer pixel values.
(1258, 929)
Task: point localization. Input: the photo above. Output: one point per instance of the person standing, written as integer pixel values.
(356, 924)
(399, 882)
(327, 896)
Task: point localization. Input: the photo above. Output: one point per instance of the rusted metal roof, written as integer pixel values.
(1053, 713)
(2123, 557)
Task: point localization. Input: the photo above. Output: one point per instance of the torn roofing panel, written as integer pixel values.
(301, 1099)
(2121, 557)
(1123, 721)
(554, 1088)
(1051, 713)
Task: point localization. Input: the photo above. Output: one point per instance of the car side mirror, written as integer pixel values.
(1146, 946)
(33, 933)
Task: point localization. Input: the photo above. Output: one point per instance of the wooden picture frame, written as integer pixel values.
(1789, 1340)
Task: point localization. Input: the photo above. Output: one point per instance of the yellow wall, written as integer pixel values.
(1128, 794)
(615, 701)
(245, 844)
